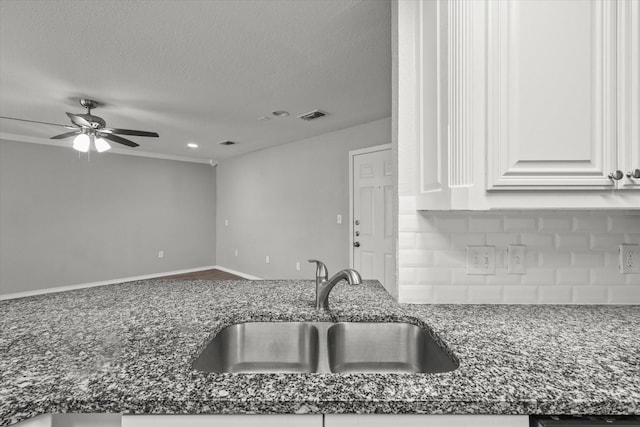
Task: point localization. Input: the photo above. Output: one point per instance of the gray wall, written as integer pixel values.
(66, 219)
(283, 202)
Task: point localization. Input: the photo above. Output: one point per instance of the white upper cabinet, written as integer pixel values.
(551, 119)
(523, 104)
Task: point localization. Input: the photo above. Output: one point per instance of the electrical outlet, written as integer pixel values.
(339, 219)
(298, 266)
(160, 254)
(517, 257)
(481, 260)
(267, 260)
(236, 252)
(226, 222)
(629, 259)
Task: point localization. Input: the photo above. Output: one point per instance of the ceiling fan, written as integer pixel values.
(89, 129)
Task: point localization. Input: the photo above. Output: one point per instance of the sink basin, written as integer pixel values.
(262, 347)
(385, 348)
(306, 347)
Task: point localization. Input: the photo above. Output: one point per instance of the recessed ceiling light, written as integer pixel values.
(264, 118)
(192, 145)
(280, 113)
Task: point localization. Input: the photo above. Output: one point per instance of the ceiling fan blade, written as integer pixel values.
(78, 120)
(129, 132)
(66, 135)
(119, 140)
(34, 121)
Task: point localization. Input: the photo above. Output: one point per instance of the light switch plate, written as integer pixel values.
(629, 259)
(481, 260)
(516, 259)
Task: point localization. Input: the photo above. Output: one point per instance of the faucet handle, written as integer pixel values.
(321, 269)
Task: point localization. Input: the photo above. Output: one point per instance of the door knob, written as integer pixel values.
(357, 233)
(616, 175)
(635, 174)
(356, 244)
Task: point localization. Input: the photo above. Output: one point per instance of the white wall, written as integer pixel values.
(66, 219)
(283, 202)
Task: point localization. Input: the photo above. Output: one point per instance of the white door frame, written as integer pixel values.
(352, 154)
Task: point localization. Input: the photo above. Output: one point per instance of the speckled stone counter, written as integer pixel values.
(128, 348)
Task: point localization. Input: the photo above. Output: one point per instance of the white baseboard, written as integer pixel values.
(237, 273)
(110, 282)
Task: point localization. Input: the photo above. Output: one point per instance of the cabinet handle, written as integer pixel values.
(635, 174)
(616, 175)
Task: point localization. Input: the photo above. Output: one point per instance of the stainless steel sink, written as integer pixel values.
(306, 347)
(385, 347)
(262, 347)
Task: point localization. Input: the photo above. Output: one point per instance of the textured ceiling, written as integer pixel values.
(196, 71)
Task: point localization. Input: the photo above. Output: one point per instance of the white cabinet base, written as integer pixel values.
(376, 420)
(222, 420)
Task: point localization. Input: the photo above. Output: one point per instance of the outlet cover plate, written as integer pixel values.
(481, 260)
(629, 259)
(517, 259)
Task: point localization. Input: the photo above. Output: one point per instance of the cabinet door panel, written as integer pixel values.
(551, 108)
(629, 90)
(222, 420)
(426, 420)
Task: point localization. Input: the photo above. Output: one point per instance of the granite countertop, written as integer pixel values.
(128, 347)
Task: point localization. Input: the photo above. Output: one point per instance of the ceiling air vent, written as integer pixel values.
(315, 114)
(227, 143)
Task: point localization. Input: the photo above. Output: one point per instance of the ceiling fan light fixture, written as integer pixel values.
(102, 145)
(81, 143)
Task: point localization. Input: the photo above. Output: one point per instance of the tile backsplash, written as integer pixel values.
(571, 256)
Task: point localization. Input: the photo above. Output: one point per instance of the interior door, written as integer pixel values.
(372, 216)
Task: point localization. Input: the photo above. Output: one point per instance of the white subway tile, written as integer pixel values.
(407, 205)
(624, 224)
(407, 222)
(588, 259)
(579, 241)
(432, 241)
(416, 258)
(623, 294)
(504, 279)
(538, 240)
(416, 294)
(555, 223)
(539, 278)
(502, 239)
(433, 276)
(485, 224)
(462, 240)
(553, 259)
(459, 276)
(406, 275)
(520, 294)
(590, 294)
(406, 240)
(455, 259)
(632, 238)
(452, 224)
(572, 276)
(451, 294)
(633, 279)
(485, 294)
(607, 276)
(555, 295)
(520, 223)
(606, 242)
(590, 224)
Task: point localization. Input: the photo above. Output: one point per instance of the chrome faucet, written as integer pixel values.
(324, 285)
